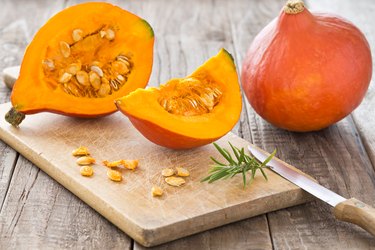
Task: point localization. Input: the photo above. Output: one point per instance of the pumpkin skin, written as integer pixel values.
(176, 131)
(304, 71)
(38, 89)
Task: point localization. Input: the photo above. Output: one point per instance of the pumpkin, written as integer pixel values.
(81, 60)
(306, 71)
(188, 112)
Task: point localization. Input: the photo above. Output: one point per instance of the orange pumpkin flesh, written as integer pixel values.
(188, 112)
(75, 63)
(304, 71)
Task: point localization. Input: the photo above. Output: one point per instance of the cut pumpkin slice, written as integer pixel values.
(81, 60)
(191, 111)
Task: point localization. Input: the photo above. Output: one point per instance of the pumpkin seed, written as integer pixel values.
(182, 172)
(156, 191)
(82, 78)
(94, 80)
(77, 35)
(110, 34)
(102, 33)
(97, 70)
(166, 172)
(120, 78)
(81, 151)
(164, 103)
(120, 67)
(96, 63)
(74, 68)
(123, 58)
(130, 164)
(175, 181)
(104, 89)
(86, 171)
(114, 84)
(65, 49)
(65, 77)
(114, 175)
(48, 64)
(85, 160)
(112, 164)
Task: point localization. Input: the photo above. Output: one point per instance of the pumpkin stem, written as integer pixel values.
(294, 6)
(14, 117)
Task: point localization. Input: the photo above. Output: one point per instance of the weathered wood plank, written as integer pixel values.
(43, 213)
(18, 23)
(40, 213)
(335, 157)
(361, 13)
(239, 235)
(8, 158)
(16, 30)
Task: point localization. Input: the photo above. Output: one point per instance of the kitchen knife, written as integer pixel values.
(349, 210)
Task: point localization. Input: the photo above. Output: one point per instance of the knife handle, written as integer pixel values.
(356, 212)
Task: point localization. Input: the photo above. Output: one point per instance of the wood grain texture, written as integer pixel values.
(129, 205)
(364, 19)
(39, 211)
(66, 229)
(246, 234)
(16, 30)
(336, 157)
(187, 32)
(8, 159)
(357, 212)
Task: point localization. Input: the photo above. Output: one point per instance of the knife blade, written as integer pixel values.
(349, 210)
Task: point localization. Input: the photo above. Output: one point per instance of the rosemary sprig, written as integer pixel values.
(242, 164)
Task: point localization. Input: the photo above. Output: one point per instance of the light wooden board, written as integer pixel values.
(48, 139)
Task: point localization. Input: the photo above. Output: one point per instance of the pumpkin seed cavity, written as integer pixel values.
(189, 96)
(80, 69)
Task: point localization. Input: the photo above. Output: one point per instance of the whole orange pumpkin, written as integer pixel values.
(305, 71)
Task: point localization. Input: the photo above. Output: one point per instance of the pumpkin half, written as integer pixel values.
(188, 112)
(81, 60)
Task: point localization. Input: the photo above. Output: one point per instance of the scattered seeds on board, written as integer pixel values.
(156, 191)
(166, 172)
(85, 160)
(175, 181)
(182, 172)
(81, 151)
(114, 175)
(86, 171)
(130, 164)
(112, 164)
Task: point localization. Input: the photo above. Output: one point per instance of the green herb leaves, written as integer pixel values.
(241, 164)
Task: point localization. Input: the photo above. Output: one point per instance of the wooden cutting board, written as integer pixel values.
(47, 140)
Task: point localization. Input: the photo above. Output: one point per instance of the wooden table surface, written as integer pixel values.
(37, 212)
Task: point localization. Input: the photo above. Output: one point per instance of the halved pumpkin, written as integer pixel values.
(191, 111)
(83, 59)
